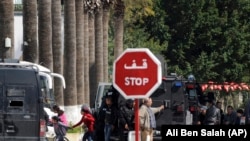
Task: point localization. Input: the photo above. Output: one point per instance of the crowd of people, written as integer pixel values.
(109, 120)
(112, 119)
(61, 125)
(96, 127)
(109, 116)
(213, 114)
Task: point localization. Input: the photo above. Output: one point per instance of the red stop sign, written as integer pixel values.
(137, 73)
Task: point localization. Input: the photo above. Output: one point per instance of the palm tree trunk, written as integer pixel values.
(6, 28)
(70, 93)
(86, 56)
(45, 33)
(235, 98)
(30, 50)
(57, 48)
(80, 52)
(92, 71)
(106, 10)
(99, 45)
(118, 21)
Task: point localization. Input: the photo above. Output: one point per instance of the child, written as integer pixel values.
(59, 127)
(88, 120)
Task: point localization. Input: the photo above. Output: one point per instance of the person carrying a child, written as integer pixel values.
(88, 120)
(59, 128)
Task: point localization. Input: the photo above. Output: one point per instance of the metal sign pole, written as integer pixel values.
(137, 120)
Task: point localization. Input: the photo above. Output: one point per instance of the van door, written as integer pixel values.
(21, 110)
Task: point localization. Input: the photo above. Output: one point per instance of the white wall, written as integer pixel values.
(18, 36)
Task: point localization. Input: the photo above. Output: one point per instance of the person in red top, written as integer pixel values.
(88, 120)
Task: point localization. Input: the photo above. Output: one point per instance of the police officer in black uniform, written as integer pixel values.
(126, 119)
(99, 124)
(107, 115)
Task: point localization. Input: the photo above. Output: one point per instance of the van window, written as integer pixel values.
(15, 92)
(47, 95)
(15, 106)
(15, 103)
(15, 98)
(21, 99)
(102, 90)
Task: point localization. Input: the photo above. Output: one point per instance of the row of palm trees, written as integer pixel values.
(83, 56)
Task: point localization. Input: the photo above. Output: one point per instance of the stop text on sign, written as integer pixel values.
(136, 81)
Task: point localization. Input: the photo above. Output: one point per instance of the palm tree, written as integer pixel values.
(143, 7)
(57, 48)
(70, 53)
(118, 27)
(105, 19)
(30, 50)
(45, 33)
(86, 51)
(6, 28)
(92, 66)
(80, 52)
(99, 43)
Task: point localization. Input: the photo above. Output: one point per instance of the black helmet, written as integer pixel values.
(109, 94)
(129, 101)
